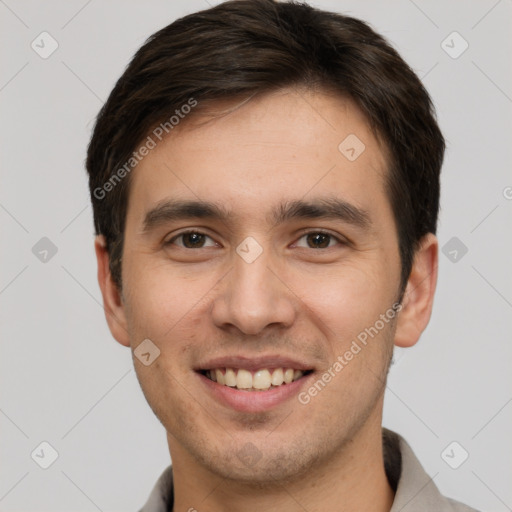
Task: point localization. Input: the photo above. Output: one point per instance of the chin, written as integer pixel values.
(251, 467)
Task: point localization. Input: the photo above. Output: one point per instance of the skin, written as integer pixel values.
(293, 300)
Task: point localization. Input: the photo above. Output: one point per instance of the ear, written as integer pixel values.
(112, 298)
(419, 293)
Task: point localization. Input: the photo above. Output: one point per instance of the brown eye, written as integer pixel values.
(191, 240)
(318, 240)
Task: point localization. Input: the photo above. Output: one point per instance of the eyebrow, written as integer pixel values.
(324, 208)
(171, 210)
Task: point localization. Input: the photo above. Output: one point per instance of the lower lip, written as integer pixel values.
(254, 401)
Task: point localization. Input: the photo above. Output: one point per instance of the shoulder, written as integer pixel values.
(162, 496)
(414, 489)
(457, 506)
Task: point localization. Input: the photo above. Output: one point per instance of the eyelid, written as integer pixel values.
(341, 240)
(171, 240)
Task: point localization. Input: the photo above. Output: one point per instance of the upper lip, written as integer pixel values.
(254, 363)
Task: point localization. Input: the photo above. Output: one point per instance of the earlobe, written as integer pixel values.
(112, 301)
(419, 293)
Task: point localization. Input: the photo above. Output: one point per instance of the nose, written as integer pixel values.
(253, 297)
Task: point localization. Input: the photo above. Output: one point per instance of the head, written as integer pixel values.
(305, 131)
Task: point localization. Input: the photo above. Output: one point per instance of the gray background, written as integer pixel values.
(64, 380)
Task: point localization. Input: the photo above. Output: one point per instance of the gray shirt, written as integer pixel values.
(414, 490)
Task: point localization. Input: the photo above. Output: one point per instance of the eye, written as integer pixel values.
(318, 240)
(191, 240)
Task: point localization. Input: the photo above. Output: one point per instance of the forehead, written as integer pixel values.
(286, 144)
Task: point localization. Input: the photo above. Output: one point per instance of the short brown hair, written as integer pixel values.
(243, 47)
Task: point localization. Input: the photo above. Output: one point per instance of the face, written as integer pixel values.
(255, 249)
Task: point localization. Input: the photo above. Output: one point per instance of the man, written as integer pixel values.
(265, 185)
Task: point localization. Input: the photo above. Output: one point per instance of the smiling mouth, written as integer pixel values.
(259, 380)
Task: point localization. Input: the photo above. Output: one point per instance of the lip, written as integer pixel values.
(253, 401)
(254, 363)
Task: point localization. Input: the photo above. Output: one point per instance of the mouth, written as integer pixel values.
(252, 384)
(263, 379)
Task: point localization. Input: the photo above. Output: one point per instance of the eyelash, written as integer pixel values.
(313, 232)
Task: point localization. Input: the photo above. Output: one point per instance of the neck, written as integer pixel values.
(353, 479)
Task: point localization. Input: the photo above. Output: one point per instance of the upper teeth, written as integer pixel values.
(260, 379)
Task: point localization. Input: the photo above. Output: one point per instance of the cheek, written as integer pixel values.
(348, 306)
(346, 298)
(165, 308)
(160, 298)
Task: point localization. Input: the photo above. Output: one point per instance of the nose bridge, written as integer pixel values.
(250, 283)
(253, 298)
